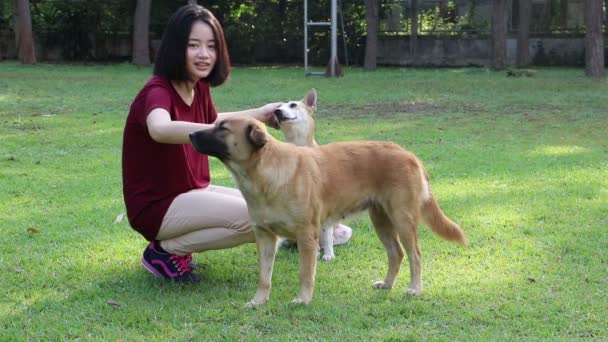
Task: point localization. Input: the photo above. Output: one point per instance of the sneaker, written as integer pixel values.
(193, 264)
(168, 266)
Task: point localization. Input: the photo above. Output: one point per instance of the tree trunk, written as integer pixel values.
(515, 14)
(414, 31)
(523, 34)
(563, 14)
(141, 39)
(594, 39)
(23, 32)
(499, 35)
(371, 42)
(443, 9)
(606, 16)
(545, 15)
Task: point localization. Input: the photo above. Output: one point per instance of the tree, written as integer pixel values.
(443, 8)
(523, 34)
(606, 15)
(414, 31)
(23, 32)
(371, 41)
(141, 23)
(499, 35)
(563, 14)
(594, 39)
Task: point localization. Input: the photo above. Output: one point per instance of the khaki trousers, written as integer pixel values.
(215, 217)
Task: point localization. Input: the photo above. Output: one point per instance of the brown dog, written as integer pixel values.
(291, 191)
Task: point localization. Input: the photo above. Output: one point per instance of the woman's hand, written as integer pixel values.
(266, 114)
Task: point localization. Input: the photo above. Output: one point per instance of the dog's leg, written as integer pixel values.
(267, 248)
(327, 242)
(390, 239)
(308, 242)
(408, 234)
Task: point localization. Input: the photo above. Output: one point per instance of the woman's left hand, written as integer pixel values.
(266, 114)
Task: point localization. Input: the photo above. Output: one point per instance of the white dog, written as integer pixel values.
(295, 119)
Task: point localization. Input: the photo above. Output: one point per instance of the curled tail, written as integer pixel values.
(441, 224)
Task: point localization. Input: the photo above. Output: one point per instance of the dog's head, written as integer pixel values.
(296, 119)
(231, 140)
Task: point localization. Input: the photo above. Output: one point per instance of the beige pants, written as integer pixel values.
(205, 219)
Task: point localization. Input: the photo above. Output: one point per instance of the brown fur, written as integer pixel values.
(292, 191)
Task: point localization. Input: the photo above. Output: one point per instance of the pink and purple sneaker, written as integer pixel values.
(169, 266)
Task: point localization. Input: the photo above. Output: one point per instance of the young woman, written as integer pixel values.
(166, 183)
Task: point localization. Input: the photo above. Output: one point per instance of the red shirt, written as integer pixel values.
(153, 174)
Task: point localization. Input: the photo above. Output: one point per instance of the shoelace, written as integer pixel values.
(182, 263)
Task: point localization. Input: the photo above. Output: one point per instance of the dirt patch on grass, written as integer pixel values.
(532, 112)
(531, 108)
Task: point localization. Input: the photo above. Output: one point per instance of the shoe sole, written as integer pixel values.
(151, 269)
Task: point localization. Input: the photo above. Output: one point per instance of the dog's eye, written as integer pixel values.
(292, 105)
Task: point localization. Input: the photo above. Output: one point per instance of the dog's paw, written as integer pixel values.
(328, 256)
(252, 305)
(297, 301)
(413, 292)
(381, 285)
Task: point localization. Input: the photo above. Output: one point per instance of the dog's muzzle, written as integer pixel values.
(207, 142)
(280, 115)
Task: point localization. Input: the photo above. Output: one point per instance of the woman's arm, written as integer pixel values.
(163, 130)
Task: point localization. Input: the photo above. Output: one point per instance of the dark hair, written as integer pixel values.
(170, 61)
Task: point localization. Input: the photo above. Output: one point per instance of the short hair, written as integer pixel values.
(170, 61)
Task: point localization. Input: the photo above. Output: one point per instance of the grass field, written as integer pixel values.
(520, 163)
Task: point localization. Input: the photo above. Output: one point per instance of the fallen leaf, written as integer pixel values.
(113, 303)
(33, 230)
(119, 218)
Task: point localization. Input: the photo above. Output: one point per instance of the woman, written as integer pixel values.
(166, 183)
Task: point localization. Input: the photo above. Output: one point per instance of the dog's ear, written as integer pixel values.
(311, 99)
(256, 136)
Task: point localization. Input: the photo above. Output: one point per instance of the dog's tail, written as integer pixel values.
(436, 219)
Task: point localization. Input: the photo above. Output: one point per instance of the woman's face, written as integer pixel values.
(201, 52)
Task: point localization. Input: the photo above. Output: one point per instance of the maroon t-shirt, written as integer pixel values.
(153, 174)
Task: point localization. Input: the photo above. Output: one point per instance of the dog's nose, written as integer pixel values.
(279, 114)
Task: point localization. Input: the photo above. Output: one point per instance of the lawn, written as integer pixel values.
(520, 162)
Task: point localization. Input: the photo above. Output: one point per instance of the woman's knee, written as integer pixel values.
(242, 226)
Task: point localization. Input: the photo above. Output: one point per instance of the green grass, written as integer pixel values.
(520, 163)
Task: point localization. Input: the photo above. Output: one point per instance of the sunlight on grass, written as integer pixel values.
(558, 150)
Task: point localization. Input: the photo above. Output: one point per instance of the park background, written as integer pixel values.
(496, 34)
(517, 154)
